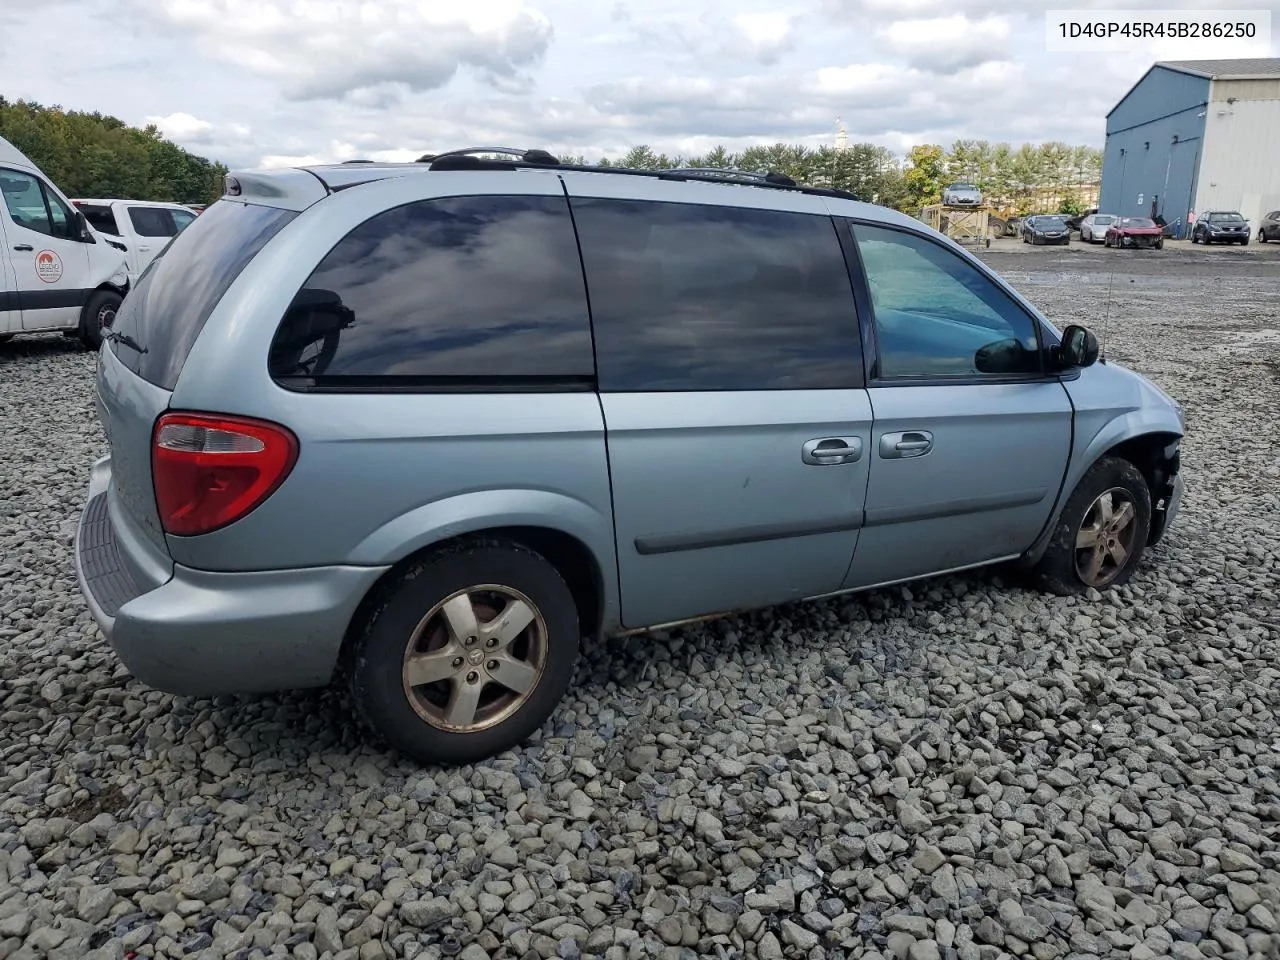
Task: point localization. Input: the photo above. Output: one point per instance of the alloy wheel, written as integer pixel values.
(1105, 540)
(475, 658)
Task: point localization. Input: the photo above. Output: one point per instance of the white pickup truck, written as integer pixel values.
(143, 226)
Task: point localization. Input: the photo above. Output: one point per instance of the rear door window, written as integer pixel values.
(101, 218)
(689, 297)
(456, 293)
(165, 312)
(152, 222)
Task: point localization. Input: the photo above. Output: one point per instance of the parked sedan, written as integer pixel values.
(1047, 228)
(1094, 224)
(1134, 233)
(962, 195)
(1269, 228)
(1221, 226)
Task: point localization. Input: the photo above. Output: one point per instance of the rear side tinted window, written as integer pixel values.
(102, 219)
(165, 312)
(700, 297)
(478, 292)
(152, 222)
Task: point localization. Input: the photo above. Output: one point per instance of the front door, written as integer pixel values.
(10, 311)
(50, 266)
(971, 440)
(730, 377)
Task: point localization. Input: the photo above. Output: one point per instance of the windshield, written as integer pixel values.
(1049, 221)
(1226, 218)
(963, 186)
(1104, 219)
(1137, 222)
(165, 312)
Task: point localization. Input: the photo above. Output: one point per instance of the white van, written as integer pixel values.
(143, 226)
(56, 273)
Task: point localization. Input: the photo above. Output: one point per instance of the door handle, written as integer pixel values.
(829, 451)
(25, 247)
(907, 443)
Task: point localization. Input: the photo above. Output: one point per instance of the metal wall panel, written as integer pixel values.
(1240, 169)
(1154, 140)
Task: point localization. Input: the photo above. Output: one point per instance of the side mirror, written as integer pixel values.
(80, 229)
(1079, 347)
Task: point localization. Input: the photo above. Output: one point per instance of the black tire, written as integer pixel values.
(99, 312)
(1244, 242)
(1058, 570)
(1160, 244)
(380, 643)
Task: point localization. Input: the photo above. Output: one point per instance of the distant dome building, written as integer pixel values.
(842, 138)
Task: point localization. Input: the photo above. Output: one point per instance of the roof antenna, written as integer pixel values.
(1106, 320)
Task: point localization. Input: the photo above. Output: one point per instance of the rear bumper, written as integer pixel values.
(201, 634)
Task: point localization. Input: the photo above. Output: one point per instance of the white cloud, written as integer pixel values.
(321, 49)
(767, 33)
(188, 129)
(292, 81)
(947, 44)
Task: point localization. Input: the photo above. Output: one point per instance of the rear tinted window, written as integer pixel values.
(152, 222)
(700, 297)
(101, 219)
(456, 293)
(167, 309)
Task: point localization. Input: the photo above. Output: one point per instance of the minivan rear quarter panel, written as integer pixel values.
(381, 474)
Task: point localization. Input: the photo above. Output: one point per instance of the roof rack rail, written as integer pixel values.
(471, 158)
(468, 158)
(781, 179)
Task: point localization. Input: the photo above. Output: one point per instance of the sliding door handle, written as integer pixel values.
(908, 443)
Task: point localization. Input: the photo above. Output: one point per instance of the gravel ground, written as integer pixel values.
(960, 768)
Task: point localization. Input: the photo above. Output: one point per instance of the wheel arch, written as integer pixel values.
(1155, 451)
(580, 551)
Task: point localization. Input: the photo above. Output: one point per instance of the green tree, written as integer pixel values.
(924, 174)
(92, 155)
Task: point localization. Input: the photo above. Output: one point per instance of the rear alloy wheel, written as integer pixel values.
(98, 315)
(467, 653)
(1101, 533)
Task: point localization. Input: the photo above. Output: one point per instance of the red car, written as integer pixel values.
(1134, 232)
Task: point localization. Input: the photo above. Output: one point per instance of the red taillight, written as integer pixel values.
(211, 470)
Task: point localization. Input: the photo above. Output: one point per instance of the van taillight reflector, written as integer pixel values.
(210, 470)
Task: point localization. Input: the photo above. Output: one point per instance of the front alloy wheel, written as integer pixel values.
(1102, 532)
(1105, 539)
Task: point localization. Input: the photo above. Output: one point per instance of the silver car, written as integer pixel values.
(1093, 228)
(962, 195)
(426, 428)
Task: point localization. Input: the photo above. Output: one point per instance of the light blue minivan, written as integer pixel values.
(426, 427)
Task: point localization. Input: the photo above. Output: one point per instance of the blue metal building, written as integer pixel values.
(1172, 143)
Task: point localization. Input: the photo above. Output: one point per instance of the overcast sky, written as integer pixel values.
(254, 82)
